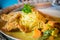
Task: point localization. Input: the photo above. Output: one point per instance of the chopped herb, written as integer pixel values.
(46, 35)
(27, 8)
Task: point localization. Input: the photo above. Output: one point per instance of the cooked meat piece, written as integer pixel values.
(4, 17)
(7, 17)
(10, 26)
(14, 17)
(54, 24)
(57, 25)
(12, 23)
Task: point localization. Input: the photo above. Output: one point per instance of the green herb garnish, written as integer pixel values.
(27, 8)
(46, 35)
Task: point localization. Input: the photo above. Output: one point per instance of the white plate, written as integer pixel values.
(52, 12)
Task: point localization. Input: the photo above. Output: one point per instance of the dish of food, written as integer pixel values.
(31, 24)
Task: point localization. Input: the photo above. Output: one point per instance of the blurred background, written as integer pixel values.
(7, 3)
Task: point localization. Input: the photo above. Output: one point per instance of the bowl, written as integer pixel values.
(51, 12)
(48, 11)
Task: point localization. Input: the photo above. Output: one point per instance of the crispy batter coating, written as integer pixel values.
(6, 17)
(12, 22)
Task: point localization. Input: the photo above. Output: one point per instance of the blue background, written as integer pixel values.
(7, 3)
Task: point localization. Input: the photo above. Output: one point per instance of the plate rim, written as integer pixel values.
(9, 36)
